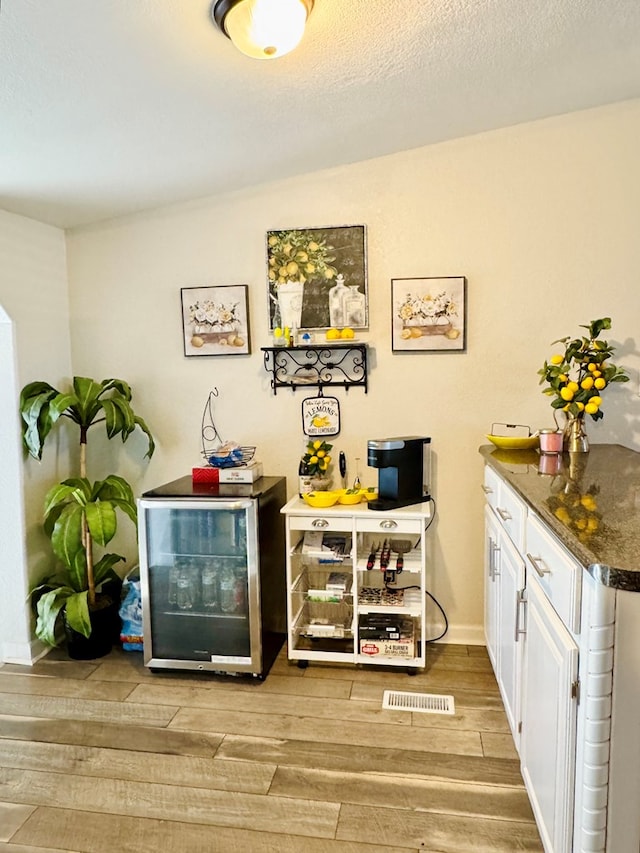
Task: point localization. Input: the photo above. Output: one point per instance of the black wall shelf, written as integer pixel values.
(324, 365)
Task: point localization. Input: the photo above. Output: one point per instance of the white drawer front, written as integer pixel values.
(320, 522)
(491, 486)
(512, 514)
(557, 572)
(384, 524)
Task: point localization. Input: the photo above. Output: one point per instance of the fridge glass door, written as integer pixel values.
(199, 561)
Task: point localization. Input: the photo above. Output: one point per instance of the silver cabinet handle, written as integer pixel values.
(504, 515)
(520, 599)
(320, 522)
(537, 562)
(494, 550)
(487, 490)
(389, 524)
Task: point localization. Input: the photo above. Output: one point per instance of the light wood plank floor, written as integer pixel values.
(105, 757)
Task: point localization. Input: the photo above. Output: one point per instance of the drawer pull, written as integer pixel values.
(536, 562)
(487, 490)
(389, 524)
(504, 515)
(320, 522)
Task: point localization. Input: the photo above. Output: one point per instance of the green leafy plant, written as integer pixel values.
(79, 514)
(577, 377)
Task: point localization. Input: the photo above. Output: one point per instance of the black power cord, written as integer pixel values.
(435, 600)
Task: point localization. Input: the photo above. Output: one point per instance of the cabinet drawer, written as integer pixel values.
(320, 522)
(384, 524)
(491, 486)
(558, 574)
(511, 513)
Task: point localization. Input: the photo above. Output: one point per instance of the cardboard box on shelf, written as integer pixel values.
(240, 474)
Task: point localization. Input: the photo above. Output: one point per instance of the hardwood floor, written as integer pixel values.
(105, 757)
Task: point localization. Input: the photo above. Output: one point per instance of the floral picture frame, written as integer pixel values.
(215, 320)
(429, 314)
(317, 278)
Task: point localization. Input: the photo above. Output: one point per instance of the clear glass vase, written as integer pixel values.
(575, 435)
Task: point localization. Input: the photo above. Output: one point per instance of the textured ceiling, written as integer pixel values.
(108, 107)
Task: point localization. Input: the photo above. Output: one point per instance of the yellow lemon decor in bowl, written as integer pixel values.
(349, 496)
(321, 500)
(369, 493)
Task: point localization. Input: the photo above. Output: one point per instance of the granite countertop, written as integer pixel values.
(591, 501)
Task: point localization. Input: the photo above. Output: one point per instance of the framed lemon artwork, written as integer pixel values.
(321, 416)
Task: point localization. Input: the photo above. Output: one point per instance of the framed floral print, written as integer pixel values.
(429, 314)
(317, 278)
(215, 320)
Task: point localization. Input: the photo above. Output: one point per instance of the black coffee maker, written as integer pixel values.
(403, 470)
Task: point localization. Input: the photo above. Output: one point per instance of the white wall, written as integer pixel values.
(541, 218)
(34, 344)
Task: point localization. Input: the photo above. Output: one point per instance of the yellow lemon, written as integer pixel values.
(591, 366)
(196, 341)
(580, 406)
(562, 515)
(332, 334)
(277, 332)
(326, 460)
(557, 359)
(597, 373)
(566, 393)
(405, 334)
(292, 267)
(563, 377)
(416, 332)
(573, 386)
(591, 408)
(317, 445)
(592, 523)
(313, 246)
(597, 401)
(347, 333)
(600, 383)
(314, 460)
(587, 383)
(321, 453)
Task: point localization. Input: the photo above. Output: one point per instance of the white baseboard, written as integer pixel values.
(24, 654)
(464, 635)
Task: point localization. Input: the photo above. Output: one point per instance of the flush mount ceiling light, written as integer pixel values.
(262, 29)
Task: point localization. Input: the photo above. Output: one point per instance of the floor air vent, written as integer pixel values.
(427, 703)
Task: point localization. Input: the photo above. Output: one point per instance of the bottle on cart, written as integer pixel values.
(209, 587)
(172, 590)
(304, 478)
(227, 589)
(240, 591)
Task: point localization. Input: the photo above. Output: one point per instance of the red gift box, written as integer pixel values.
(206, 474)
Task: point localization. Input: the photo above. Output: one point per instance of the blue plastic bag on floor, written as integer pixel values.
(131, 613)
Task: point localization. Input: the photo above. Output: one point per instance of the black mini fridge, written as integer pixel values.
(212, 572)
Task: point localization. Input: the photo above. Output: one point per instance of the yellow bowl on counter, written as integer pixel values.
(320, 500)
(349, 496)
(507, 442)
(369, 494)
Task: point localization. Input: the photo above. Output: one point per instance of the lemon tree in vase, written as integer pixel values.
(294, 257)
(576, 379)
(316, 461)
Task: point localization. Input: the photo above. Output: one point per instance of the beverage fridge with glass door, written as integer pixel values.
(212, 572)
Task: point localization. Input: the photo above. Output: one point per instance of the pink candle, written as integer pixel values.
(550, 441)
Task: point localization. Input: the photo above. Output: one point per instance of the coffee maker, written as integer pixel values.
(403, 470)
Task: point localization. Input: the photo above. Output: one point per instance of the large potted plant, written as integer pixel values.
(79, 514)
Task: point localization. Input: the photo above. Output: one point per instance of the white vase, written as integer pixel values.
(290, 304)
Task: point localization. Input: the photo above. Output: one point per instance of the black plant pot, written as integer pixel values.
(105, 629)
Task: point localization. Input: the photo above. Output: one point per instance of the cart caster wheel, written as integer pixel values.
(260, 676)
(303, 664)
(411, 670)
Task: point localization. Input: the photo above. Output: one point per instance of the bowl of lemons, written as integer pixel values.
(321, 500)
(349, 496)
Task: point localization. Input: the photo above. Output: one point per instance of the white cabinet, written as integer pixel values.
(343, 606)
(549, 704)
(571, 681)
(504, 591)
